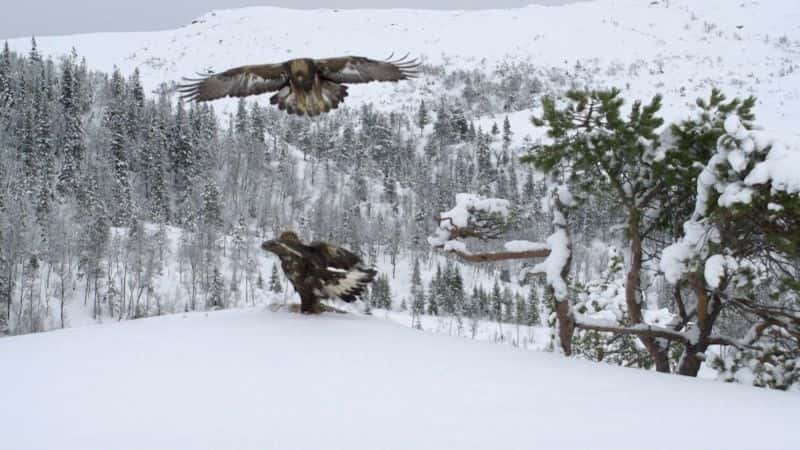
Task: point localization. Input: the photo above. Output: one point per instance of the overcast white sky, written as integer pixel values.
(20, 18)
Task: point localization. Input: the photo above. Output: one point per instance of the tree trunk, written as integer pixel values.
(86, 289)
(9, 290)
(62, 294)
(566, 322)
(656, 351)
(96, 302)
(708, 310)
(21, 292)
(566, 326)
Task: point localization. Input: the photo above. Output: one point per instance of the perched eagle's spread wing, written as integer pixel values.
(343, 275)
(357, 69)
(236, 82)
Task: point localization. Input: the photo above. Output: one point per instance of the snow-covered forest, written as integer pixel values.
(547, 207)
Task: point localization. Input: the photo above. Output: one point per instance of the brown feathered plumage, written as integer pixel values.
(304, 86)
(320, 270)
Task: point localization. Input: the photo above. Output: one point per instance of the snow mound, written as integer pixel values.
(253, 379)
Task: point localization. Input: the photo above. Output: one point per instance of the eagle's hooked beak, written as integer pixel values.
(270, 246)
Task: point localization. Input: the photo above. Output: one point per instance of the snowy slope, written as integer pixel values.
(679, 47)
(253, 379)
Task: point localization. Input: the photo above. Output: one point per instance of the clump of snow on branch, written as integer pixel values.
(464, 215)
(469, 204)
(781, 167)
(717, 267)
(727, 177)
(525, 246)
(552, 266)
(454, 245)
(559, 243)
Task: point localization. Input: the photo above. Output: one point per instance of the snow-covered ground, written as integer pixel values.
(254, 379)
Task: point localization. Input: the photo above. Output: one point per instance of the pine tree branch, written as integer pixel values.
(500, 256)
(644, 330)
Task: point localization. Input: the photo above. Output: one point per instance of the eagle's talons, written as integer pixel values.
(326, 308)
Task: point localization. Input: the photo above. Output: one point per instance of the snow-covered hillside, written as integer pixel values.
(676, 47)
(254, 379)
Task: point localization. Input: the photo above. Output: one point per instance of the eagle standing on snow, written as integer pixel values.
(320, 270)
(305, 86)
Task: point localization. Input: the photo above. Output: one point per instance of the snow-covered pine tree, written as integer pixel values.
(533, 308)
(211, 211)
(115, 122)
(423, 118)
(520, 309)
(434, 293)
(216, 297)
(496, 303)
(738, 252)
(74, 146)
(507, 134)
(182, 156)
(43, 148)
(275, 280)
(380, 293)
(260, 281)
(508, 305)
(613, 156)
(6, 79)
(152, 165)
(486, 173)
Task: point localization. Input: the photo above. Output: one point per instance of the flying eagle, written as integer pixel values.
(304, 86)
(320, 270)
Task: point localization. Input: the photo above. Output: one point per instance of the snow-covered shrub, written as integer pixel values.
(775, 364)
(602, 300)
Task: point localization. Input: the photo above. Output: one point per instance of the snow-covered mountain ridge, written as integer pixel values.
(674, 47)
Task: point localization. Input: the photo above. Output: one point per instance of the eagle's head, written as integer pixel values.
(289, 236)
(302, 72)
(279, 246)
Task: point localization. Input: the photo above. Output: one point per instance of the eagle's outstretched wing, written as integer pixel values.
(357, 69)
(236, 82)
(342, 274)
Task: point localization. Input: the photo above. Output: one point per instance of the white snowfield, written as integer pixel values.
(254, 379)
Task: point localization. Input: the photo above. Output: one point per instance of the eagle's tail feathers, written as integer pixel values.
(353, 284)
(324, 97)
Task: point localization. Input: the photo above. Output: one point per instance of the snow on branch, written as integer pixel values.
(557, 261)
(744, 161)
(657, 332)
(485, 219)
(524, 246)
(639, 330)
